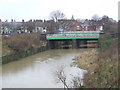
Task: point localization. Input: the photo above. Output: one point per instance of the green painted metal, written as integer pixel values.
(74, 35)
(74, 38)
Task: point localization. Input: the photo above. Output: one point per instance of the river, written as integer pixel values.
(39, 70)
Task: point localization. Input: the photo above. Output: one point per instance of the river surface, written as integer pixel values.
(39, 70)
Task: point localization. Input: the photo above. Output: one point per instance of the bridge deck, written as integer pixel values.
(74, 35)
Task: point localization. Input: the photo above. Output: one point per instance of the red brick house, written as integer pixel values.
(87, 25)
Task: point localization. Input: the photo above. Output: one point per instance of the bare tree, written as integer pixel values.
(95, 17)
(55, 15)
(61, 76)
(76, 82)
(94, 22)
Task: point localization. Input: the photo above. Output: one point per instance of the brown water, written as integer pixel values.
(38, 71)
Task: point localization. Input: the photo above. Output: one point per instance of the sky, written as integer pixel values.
(119, 10)
(41, 9)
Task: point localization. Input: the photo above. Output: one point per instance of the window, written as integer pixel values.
(78, 27)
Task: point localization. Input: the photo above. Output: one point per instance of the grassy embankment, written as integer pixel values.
(102, 64)
(20, 45)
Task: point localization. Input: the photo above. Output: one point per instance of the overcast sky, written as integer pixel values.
(40, 9)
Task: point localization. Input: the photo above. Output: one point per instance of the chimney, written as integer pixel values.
(23, 20)
(11, 20)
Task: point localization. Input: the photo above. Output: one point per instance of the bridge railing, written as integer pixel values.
(75, 32)
(74, 35)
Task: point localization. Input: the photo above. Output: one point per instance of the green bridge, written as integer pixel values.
(74, 35)
(73, 39)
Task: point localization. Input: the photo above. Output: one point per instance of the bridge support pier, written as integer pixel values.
(48, 44)
(74, 43)
(51, 44)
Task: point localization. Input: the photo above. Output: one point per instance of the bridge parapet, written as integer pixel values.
(79, 32)
(74, 35)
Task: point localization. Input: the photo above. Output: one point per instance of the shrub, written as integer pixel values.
(106, 73)
(105, 41)
(24, 42)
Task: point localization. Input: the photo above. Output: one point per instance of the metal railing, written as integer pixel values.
(75, 32)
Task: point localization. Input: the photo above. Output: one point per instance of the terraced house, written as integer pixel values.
(75, 25)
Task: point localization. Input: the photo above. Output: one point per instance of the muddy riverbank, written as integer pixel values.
(102, 67)
(87, 59)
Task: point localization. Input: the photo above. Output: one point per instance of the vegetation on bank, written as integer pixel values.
(21, 42)
(22, 45)
(105, 41)
(102, 64)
